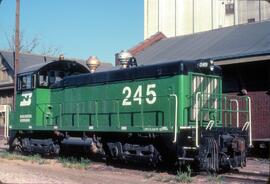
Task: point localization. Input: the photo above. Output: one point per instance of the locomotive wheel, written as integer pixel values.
(208, 155)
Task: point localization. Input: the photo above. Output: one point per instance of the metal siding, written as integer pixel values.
(179, 17)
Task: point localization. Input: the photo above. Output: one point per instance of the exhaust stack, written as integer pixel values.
(126, 59)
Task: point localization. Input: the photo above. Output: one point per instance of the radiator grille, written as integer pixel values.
(208, 86)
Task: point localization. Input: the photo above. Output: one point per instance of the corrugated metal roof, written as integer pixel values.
(220, 44)
(26, 60)
(33, 60)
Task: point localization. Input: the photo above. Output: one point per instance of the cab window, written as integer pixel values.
(55, 76)
(48, 78)
(43, 80)
(26, 82)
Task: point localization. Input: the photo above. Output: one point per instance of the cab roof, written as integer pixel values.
(63, 65)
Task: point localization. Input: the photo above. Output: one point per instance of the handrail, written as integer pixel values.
(249, 123)
(197, 117)
(237, 111)
(175, 117)
(96, 113)
(60, 114)
(6, 127)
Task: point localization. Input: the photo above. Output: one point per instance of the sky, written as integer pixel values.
(79, 29)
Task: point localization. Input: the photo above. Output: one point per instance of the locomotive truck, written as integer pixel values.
(167, 112)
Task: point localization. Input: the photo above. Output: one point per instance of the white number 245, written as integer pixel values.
(151, 95)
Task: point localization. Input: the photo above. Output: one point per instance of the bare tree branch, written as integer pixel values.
(11, 41)
(51, 50)
(32, 45)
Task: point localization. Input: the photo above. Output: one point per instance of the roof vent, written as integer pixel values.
(93, 63)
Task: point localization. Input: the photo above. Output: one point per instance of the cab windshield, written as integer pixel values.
(26, 82)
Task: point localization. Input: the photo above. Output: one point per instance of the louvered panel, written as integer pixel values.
(209, 88)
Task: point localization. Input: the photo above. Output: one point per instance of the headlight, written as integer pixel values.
(212, 67)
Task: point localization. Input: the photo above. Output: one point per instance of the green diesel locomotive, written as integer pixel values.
(170, 112)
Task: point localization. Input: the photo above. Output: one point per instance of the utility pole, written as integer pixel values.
(17, 51)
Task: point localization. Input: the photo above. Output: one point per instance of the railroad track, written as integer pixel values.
(246, 177)
(257, 171)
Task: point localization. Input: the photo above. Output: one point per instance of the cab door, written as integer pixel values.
(25, 97)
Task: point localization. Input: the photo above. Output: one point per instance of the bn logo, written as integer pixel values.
(27, 99)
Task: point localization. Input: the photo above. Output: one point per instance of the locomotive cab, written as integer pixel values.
(33, 92)
(46, 74)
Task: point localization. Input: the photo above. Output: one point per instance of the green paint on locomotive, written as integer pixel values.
(143, 105)
(31, 110)
(33, 98)
(135, 106)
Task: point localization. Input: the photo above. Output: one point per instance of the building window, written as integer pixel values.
(229, 8)
(251, 20)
